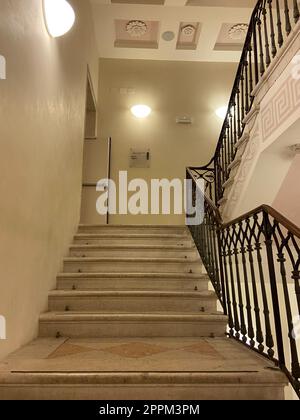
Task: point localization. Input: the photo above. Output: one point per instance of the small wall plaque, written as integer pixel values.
(139, 158)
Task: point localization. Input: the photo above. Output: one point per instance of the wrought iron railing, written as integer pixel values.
(254, 264)
(270, 26)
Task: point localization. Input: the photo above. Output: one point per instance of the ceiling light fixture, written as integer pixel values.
(141, 111)
(222, 112)
(59, 17)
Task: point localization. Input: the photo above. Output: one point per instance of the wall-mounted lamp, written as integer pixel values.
(59, 17)
(141, 111)
(222, 112)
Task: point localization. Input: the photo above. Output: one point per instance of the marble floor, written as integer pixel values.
(134, 355)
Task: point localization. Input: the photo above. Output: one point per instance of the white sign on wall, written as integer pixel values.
(139, 158)
(2, 67)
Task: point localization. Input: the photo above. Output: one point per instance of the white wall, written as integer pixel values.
(288, 197)
(42, 105)
(171, 89)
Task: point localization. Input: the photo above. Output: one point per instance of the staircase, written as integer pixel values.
(133, 318)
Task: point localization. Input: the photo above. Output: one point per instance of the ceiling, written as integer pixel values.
(183, 30)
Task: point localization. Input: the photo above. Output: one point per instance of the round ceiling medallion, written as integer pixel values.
(188, 30)
(136, 28)
(238, 32)
(168, 36)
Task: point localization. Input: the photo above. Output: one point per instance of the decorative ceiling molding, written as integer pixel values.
(169, 34)
(231, 37)
(136, 28)
(136, 33)
(188, 36)
(238, 32)
(188, 30)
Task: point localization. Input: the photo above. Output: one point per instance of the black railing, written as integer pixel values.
(271, 24)
(254, 264)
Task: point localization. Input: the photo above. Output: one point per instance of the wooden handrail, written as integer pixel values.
(284, 221)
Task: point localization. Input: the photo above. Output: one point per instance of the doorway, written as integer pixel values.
(96, 160)
(90, 125)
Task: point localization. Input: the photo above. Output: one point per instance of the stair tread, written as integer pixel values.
(134, 293)
(129, 316)
(132, 259)
(116, 275)
(132, 235)
(134, 226)
(146, 247)
(78, 377)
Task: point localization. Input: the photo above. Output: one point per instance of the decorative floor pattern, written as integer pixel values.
(134, 355)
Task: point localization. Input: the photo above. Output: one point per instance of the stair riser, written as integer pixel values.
(132, 284)
(138, 230)
(158, 241)
(138, 253)
(131, 267)
(133, 305)
(115, 391)
(106, 329)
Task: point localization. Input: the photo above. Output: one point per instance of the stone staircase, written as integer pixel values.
(133, 317)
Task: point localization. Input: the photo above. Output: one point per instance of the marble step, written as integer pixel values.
(94, 324)
(132, 265)
(132, 239)
(130, 386)
(134, 229)
(139, 368)
(132, 301)
(151, 251)
(132, 281)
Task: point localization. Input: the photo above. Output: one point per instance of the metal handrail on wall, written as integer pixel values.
(271, 24)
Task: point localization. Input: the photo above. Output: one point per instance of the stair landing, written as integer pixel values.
(139, 368)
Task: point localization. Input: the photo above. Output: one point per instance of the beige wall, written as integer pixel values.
(171, 89)
(288, 198)
(42, 105)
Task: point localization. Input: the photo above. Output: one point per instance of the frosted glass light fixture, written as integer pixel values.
(59, 17)
(141, 111)
(222, 112)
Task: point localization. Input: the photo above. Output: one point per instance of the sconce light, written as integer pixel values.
(59, 17)
(222, 112)
(141, 111)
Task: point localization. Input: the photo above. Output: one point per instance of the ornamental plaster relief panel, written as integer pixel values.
(280, 110)
(239, 187)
